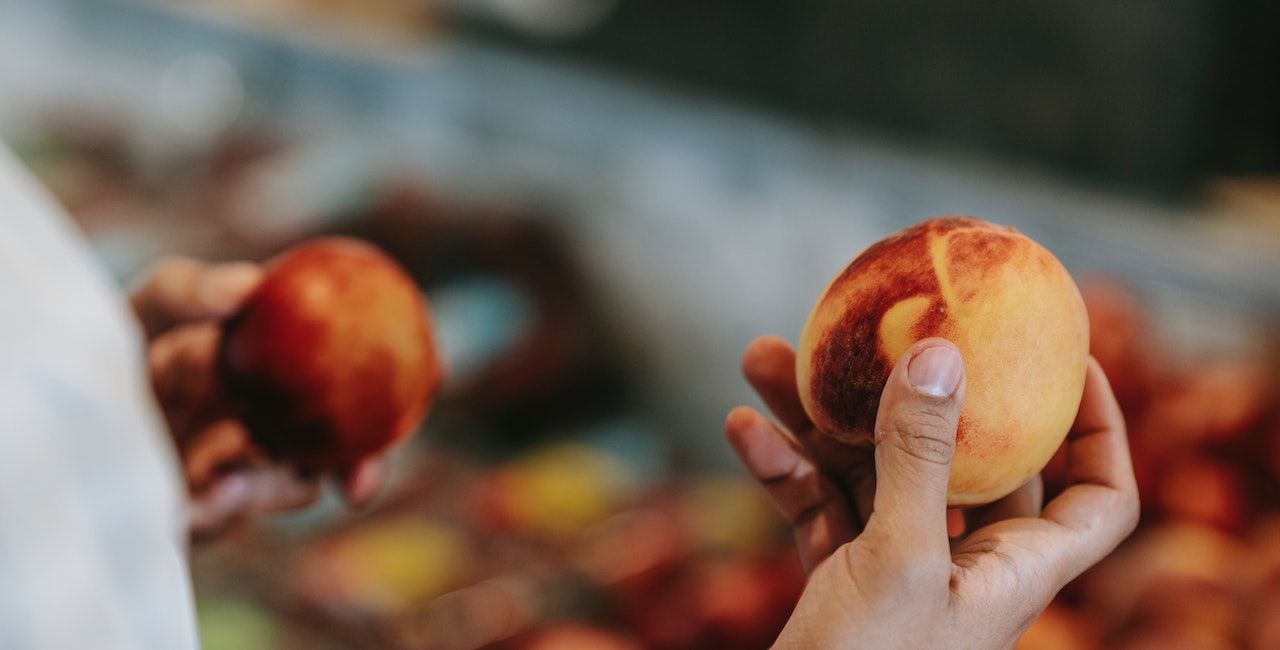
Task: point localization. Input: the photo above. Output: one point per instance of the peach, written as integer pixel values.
(1204, 490)
(735, 601)
(1174, 569)
(580, 636)
(1174, 635)
(1007, 304)
(332, 358)
(1263, 627)
(1219, 402)
(1121, 340)
(1059, 628)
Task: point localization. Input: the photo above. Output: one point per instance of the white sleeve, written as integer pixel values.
(92, 551)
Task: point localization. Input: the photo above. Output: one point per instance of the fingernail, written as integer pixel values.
(935, 371)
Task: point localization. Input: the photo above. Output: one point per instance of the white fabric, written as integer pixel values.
(91, 536)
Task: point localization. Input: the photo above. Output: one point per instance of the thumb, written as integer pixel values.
(915, 440)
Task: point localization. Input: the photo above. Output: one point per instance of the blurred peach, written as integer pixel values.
(1174, 636)
(1120, 338)
(666, 619)
(719, 603)
(1059, 628)
(1264, 542)
(1169, 565)
(1218, 402)
(1205, 491)
(656, 542)
(332, 358)
(579, 636)
(1207, 607)
(1262, 632)
(736, 602)
(475, 616)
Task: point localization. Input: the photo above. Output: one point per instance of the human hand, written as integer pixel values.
(870, 522)
(181, 305)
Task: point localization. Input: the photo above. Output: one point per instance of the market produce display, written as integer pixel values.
(588, 531)
(1203, 568)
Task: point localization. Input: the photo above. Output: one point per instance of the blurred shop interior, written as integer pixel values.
(605, 200)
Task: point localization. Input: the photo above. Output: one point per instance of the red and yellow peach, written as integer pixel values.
(1005, 301)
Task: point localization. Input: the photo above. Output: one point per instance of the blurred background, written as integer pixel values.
(605, 200)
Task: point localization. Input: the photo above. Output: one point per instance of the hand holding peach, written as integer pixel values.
(232, 467)
(878, 513)
(331, 358)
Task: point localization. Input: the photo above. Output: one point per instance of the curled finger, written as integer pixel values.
(180, 290)
(820, 512)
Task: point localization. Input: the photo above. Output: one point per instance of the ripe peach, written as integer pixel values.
(735, 601)
(1059, 628)
(332, 357)
(1263, 627)
(1219, 402)
(1121, 340)
(579, 636)
(1174, 635)
(1008, 305)
(1174, 569)
(1204, 490)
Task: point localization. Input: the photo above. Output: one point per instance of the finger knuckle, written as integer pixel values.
(926, 449)
(171, 265)
(900, 575)
(919, 573)
(912, 559)
(928, 416)
(927, 438)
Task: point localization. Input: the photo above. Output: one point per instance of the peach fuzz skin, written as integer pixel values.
(1008, 305)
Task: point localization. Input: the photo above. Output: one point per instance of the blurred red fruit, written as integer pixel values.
(1217, 403)
(1263, 628)
(1205, 491)
(332, 358)
(656, 544)
(1059, 628)
(1174, 636)
(1169, 564)
(577, 636)
(1119, 339)
(736, 601)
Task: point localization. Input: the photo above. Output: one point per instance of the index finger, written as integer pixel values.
(180, 289)
(1099, 508)
(769, 365)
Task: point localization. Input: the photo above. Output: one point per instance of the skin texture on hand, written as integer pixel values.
(181, 305)
(870, 523)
